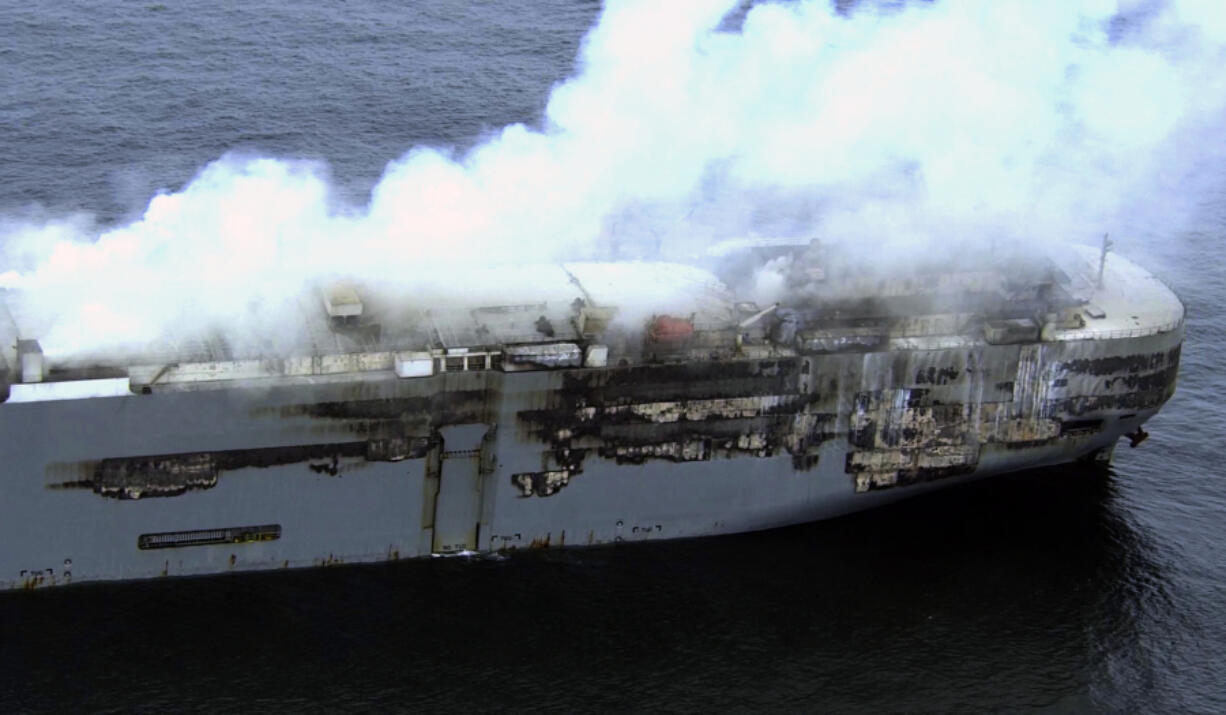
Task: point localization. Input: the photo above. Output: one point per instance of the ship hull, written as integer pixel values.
(216, 477)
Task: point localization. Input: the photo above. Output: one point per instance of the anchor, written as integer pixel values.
(1136, 437)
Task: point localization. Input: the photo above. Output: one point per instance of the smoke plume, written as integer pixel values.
(892, 127)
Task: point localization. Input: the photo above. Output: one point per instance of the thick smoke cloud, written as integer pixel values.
(893, 127)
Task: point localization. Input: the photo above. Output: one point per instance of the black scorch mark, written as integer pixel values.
(170, 475)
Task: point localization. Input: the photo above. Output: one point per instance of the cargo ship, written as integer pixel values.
(620, 402)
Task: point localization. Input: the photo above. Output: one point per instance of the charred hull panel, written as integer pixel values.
(313, 473)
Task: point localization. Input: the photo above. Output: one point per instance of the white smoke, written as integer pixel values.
(891, 126)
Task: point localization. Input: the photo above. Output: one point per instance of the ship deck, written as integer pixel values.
(343, 330)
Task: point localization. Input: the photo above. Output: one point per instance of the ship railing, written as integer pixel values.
(403, 363)
(465, 360)
(1136, 332)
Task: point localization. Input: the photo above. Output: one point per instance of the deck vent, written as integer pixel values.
(414, 364)
(30, 357)
(596, 356)
(343, 304)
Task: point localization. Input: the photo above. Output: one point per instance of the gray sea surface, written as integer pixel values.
(1060, 590)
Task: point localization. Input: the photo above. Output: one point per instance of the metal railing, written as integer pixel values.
(1138, 332)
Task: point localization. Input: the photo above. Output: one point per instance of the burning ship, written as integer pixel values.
(396, 430)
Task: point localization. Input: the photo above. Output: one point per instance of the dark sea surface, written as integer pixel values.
(1060, 590)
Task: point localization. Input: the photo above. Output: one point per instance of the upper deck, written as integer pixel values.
(593, 315)
(1130, 301)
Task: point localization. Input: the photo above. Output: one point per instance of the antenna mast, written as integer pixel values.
(1102, 259)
